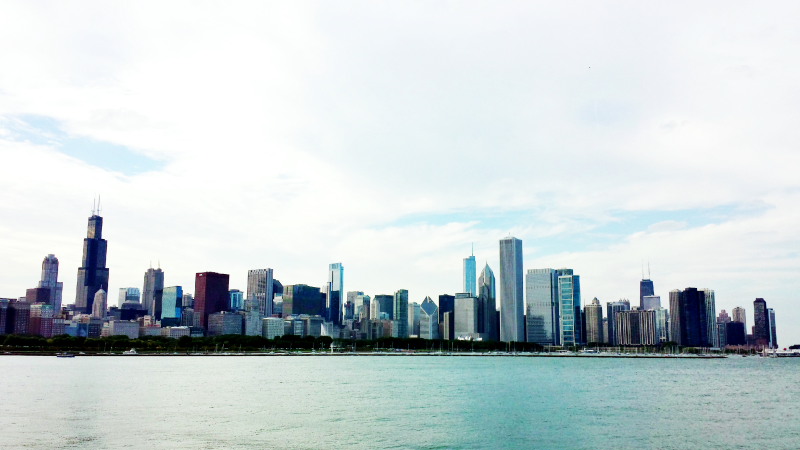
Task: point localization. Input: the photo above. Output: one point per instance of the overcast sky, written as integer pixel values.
(227, 136)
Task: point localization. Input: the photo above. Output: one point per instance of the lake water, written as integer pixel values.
(400, 402)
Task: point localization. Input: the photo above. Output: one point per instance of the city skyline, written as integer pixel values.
(673, 135)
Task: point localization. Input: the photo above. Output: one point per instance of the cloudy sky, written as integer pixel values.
(392, 135)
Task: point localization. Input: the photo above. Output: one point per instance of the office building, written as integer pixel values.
(99, 304)
(761, 332)
(594, 322)
(465, 317)
(662, 325)
(542, 307)
(41, 319)
(738, 315)
(512, 310)
(709, 303)
(272, 327)
(93, 273)
(401, 314)
(50, 282)
(153, 291)
(413, 319)
(773, 335)
(124, 328)
(646, 289)
(303, 299)
(487, 305)
(569, 297)
(469, 275)
(335, 293)
(446, 305)
(428, 319)
(171, 305)
(129, 294)
(612, 308)
(735, 333)
(385, 304)
(210, 295)
(688, 317)
(224, 322)
(260, 286)
(651, 302)
(236, 302)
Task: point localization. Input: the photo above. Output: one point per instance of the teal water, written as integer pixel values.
(402, 402)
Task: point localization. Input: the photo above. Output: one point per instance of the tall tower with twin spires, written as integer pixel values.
(93, 273)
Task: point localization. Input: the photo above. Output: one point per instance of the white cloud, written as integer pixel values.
(297, 135)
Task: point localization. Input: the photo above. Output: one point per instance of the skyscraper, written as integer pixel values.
(761, 319)
(465, 320)
(646, 289)
(93, 273)
(709, 303)
(542, 307)
(413, 319)
(612, 308)
(302, 299)
(569, 296)
(260, 288)
(429, 319)
(401, 313)
(487, 305)
(773, 335)
(650, 303)
(469, 275)
(688, 317)
(594, 322)
(210, 295)
(152, 291)
(738, 315)
(129, 294)
(446, 306)
(50, 281)
(512, 328)
(171, 309)
(99, 304)
(335, 292)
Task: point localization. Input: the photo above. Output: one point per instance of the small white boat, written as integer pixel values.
(130, 352)
(65, 355)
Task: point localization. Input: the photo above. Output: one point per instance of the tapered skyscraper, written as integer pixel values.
(487, 298)
(93, 274)
(512, 328)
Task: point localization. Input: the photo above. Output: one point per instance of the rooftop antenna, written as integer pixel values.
(643, 270)
(99, 209)
(648, 270)
(94, 206)
(473, 249)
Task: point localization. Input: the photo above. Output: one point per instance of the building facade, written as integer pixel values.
(153, 291)
(210, 295)
(93, 273)
(542, 307)
(512, 310)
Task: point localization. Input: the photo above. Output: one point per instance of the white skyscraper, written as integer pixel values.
(260, 290)
(511, 293)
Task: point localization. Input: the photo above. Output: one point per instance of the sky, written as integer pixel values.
(392, 136)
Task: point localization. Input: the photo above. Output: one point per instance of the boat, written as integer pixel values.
(130, 352)
(65, 355)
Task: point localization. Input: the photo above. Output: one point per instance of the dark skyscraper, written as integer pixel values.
(761, 332)
(446, 305)
(646, 288)
(93, 274)
(210, 295)
(689, 318)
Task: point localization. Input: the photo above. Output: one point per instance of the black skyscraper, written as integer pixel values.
(93, 274)
(761, 332)
(688, 317)
(645, 288)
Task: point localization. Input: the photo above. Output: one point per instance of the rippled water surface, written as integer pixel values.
(400, 402)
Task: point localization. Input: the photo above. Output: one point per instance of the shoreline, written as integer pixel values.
(387, 354)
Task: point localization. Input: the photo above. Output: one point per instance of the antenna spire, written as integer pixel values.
(99, 208)
(648, 270)
(473, 249)
(94, 206)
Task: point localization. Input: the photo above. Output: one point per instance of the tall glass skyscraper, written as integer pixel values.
(171, 299)
(761, 332)
(469, 275)
(487, 298)
(336, 292)
(541, 306)
(512, 311)
(401, 313)
(646, 289)
(569, 296)
(93, 273)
